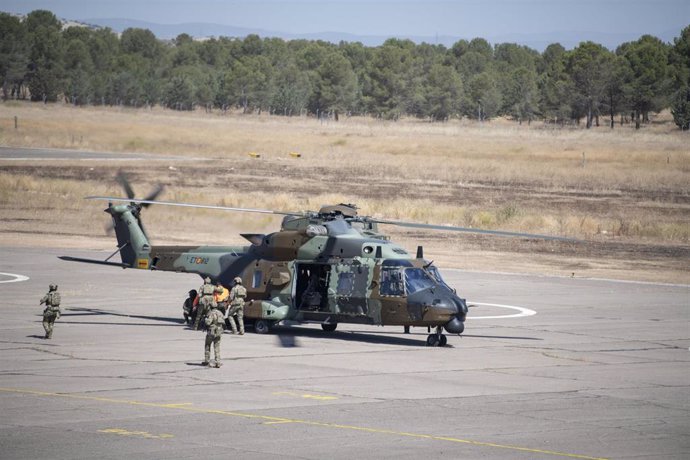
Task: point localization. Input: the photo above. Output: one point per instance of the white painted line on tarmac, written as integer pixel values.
(14, 278)
(565, 277)
(522, 311)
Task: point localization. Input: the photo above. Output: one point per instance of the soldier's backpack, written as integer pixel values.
(54, 299)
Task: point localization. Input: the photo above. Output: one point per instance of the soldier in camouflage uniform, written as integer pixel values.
(214, 331)
(237, 295)
(206, 301)
(52, 310)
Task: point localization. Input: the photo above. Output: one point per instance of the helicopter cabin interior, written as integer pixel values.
(311, 293)
(331, 288)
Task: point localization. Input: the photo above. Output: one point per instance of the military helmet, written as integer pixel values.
(207, 280)
(238, 280)
(52, 287)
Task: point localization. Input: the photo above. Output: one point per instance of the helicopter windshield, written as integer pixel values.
(437, 276)
(416, 279)
(400, 281)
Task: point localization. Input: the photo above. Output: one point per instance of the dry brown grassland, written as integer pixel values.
(624, 192)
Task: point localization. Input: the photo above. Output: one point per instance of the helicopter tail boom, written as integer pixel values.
(132, 242)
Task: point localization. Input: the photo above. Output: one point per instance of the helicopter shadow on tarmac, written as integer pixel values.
(287, 336)
(76, 312)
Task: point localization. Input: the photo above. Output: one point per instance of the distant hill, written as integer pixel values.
(569, 39)
(202, 30)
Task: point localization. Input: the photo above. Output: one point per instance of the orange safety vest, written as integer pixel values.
(221, 296)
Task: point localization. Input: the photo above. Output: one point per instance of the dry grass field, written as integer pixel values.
(624, 192)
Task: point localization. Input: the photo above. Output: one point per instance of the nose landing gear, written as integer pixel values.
(438, 339)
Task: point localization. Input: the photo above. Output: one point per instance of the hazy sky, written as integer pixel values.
(470, 18)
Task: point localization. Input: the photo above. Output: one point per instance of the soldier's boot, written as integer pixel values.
(233, 326)
(49, 335)
(218, 363)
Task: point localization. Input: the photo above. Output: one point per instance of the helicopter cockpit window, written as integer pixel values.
(416, 279)
(392, 281)
(437, 276)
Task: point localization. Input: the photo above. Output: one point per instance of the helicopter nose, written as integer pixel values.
(437, 306)
(457, 324)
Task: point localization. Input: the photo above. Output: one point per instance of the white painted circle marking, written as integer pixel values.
(15, 278)
(522, 311)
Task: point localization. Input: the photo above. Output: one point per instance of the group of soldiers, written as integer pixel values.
(218, 307)
(215, 306)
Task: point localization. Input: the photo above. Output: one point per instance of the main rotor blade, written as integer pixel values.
(472, 230)
(191, 205)
(124, 182)
(154, 194)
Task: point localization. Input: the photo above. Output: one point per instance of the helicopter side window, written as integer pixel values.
(392, 281)
(346, 284)
(416, 279)
(256, 279)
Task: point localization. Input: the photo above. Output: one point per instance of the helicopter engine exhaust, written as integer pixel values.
(315, 230)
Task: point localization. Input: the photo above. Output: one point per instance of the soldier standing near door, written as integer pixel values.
(237, 295)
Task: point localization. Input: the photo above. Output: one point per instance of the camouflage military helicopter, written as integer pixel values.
(328, 266)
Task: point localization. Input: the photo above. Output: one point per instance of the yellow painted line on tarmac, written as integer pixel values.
(306, 396)
(136, 434)
(176, 405)
(277, 420)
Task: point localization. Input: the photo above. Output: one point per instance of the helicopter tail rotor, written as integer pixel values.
(132, 240)
(135, 205)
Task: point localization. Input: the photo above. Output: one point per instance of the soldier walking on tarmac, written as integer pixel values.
(206, 301)
(237, 295)
(214, 332)
(52, 310)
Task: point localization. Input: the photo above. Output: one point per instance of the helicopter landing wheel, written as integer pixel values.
(261, 326)
(329, 327)
(432, 340)
(437, 340)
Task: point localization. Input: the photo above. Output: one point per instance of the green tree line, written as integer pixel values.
(42, 62)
